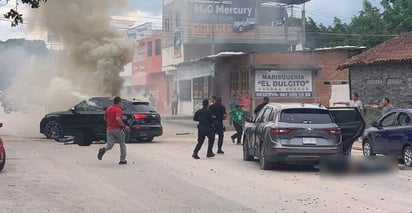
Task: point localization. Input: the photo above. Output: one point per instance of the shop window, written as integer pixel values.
(374, 81)
(239, 81)
(392, 81)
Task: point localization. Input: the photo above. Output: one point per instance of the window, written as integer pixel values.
(266, 115)
(392, 81)
(88, 106)
(149, 49)
(310, 116)
(158, 47)
(201, 87)
(403, 119)
(388, 120)
(374, 81)
(178, 22)
(185, 89)
(166, 24)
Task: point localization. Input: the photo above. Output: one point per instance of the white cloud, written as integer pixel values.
(142, 17)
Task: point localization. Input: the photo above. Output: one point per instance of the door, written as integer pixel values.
(383, 133)
(257, 123)
(261, 125)
(399, 134)
(351, 123)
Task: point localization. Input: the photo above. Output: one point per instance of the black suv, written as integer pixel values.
(300, 133)
(85, 121)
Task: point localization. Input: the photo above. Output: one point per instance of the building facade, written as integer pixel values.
(196, 29)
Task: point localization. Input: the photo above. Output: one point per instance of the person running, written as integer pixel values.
(115, 130)
(219, 112)
(232, 104)
(205, 129)
(385, 106)
(238, 114)
(354, 102)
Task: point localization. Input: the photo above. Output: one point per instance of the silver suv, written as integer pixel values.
(300, 133)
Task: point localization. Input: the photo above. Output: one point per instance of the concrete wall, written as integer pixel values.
(399, 93)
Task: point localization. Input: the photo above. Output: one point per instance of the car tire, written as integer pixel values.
(2, 164)
(367, 149)
(246, 154)
(83, 139)
(407, 156)
(263, 162)
(241, 28)
(53, 129)
(149, 139)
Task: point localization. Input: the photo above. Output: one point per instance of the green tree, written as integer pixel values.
(397, 15)
(16, 17)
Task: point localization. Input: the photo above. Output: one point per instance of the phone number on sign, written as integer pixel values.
(283, 94)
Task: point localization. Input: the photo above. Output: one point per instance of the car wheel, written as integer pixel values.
(148, 139)
(246, 154)
(7, 110)
(264, 164)
(83, 139)
(3, 160)
(367, 149)
(53, 129)
(241, 29)
(407, 156)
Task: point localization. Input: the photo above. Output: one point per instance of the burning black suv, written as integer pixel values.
(86, 123)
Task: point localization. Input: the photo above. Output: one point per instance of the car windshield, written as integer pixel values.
(310, 116)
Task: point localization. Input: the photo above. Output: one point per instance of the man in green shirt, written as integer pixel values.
(238, 114)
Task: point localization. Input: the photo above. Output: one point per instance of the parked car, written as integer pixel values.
(391, 135)
(86, 123)
(244, 25)
(300, 133)
(2, 153)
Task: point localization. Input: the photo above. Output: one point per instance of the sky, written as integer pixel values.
(322, 11)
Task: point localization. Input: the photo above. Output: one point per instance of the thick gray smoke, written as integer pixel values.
(94, 52)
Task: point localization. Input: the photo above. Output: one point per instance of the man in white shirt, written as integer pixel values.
(354, 102)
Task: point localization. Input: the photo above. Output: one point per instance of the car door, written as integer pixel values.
(261, 126)
(399, 135)
(257, 122)
(351, 123)
(383, 134)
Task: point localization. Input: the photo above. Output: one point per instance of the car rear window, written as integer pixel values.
(304, 115)
(140, 107)
(345, 115)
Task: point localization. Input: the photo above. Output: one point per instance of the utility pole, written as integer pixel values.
(303, 27)
(213, 38)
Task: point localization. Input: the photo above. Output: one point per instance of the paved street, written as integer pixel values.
(45, 176)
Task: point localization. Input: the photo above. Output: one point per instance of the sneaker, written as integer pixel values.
(195, 156)
(233, 140)
(122, 162)
(220, 152)
(210, 155)
(238, 143)
(101, 153)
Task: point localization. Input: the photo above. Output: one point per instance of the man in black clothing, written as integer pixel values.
(205, 129)
(260, 106)
(219, 113)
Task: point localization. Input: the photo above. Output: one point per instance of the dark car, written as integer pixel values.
(2, 153)
(300, 133)
(85, 121)
(391, 135)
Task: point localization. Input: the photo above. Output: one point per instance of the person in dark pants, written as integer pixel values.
(205, 129)
(238, 114)
(219, 113)
(260, 106)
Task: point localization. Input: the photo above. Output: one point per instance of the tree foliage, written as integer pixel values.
(369, 28)
(16, 17)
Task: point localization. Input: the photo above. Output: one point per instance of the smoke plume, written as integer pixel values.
(93, 55)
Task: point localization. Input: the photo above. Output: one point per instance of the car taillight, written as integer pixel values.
(280, 131)
(336, 131)
(139, 116)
